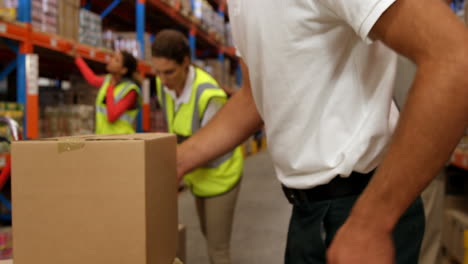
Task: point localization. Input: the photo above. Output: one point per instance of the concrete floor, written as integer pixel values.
(261, 220)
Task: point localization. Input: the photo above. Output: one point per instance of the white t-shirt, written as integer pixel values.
(214, 105)
(322, 87)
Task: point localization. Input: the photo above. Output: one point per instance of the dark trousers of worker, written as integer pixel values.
(313, 226)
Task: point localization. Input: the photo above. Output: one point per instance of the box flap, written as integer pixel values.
(67, 144)
(135, 137)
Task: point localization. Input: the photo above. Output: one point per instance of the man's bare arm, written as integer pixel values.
(433, 121)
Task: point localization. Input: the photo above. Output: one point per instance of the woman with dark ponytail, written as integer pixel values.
(119, 97)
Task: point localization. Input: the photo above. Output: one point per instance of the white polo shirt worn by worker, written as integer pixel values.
(322, 87)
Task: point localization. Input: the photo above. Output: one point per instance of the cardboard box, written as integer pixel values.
(95, 200)
(68, 18)
(44, 16)
(9, 3)
(128, 41)
(9, 261)
(90, 31)
(8, 13)
(182, 244)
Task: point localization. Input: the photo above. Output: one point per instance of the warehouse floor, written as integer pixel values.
(260, 223)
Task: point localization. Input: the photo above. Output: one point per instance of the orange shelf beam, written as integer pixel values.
(19, 31)
(146, 69)
(16, 31)
(51, 42)
(92, 53)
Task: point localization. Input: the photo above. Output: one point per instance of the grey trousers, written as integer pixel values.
(433, 201)
(216, 216)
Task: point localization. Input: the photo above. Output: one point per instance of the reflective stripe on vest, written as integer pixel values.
(196, 123)
(123, 92)
(124, 117)
(161, 94)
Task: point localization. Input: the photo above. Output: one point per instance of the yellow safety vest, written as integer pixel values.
(220, 175)
(125, 123)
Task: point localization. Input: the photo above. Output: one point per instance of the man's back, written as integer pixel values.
(323, 90)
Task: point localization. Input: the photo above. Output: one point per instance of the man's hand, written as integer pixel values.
(359, 244)
(72, 52)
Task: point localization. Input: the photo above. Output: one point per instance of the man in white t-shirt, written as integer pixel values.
(319, 75)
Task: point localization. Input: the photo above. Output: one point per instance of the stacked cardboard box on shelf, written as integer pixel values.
(8, 9)
(208, 17)
(128, 41)
(90, 31)
(108, 37)
(69, 13)
(80, 92)
(44, 15)
(186, 7)
(67, 112)
(67, 120)
(203, 13)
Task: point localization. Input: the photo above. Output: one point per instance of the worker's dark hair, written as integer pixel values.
(172, 45)
(129, 62)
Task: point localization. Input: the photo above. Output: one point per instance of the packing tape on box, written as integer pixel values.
(70, 144)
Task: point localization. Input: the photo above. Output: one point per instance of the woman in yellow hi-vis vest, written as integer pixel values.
(190, 97)
(118, 100)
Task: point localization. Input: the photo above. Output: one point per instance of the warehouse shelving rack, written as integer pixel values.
(22, 40)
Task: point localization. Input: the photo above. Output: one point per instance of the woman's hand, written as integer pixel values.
(72, 52)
